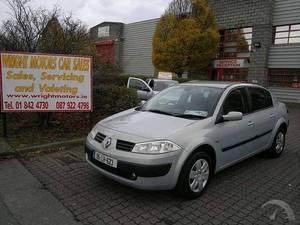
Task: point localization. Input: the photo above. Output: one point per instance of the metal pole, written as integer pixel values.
(4, 125)
(90, 121)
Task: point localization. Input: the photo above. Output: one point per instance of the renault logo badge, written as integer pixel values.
(107, 142)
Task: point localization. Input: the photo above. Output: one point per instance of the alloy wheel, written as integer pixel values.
(279, 142)
(199, 175)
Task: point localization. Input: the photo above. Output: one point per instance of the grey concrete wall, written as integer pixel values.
(136, 56)
(251, 13)
(115, 31)
(286, 12)
(285, 56)
(241, 13)
(258, 70)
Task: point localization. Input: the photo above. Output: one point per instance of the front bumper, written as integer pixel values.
(130, 170)
(146, 172)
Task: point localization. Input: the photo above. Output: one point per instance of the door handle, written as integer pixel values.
(250, 123)
(272, 116)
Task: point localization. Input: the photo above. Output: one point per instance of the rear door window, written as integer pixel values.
(269, 100)
(260, 99)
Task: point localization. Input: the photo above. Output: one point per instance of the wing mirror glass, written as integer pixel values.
(233, 116)
(146, 89)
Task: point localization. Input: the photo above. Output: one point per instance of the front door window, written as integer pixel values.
(235, 102)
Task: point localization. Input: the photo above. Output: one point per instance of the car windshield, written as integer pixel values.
(186, 101)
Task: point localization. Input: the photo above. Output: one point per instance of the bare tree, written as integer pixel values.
(76, 34)
(180, 8)
(39, 30)
(22, 30)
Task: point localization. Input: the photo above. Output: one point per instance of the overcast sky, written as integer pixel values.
(92, 12)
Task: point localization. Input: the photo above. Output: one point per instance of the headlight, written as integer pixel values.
(93, 132)
(155, 147)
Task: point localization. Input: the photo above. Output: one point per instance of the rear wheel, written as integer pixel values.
(278, 143)
(195, 175)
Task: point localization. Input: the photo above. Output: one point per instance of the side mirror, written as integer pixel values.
(146, 89)
(233, 116)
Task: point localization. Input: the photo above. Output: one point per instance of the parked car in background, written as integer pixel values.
(185, 134)
(150, 87)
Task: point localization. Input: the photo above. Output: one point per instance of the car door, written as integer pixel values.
(234, 136)
(262, 116)
(144, 92)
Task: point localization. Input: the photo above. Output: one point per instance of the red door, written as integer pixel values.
(216, 74)
(106, 51)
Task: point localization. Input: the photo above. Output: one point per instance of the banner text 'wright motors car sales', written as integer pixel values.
(45, 83)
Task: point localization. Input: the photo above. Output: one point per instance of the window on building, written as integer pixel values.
(103, 32)
(235, 43)
(235, 74)
(287, 34)
(284, 78)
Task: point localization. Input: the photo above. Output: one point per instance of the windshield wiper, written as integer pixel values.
(139, 108)
(159, 111)
(191, 116)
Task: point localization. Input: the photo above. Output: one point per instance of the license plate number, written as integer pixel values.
(106, 160)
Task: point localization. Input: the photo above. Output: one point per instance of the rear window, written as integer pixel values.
(161, 85)
(269, 101)
(260, 98)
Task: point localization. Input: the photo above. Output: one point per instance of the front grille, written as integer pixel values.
(125, 146)
(100, 137)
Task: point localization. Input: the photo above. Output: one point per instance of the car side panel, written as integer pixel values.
(264, 123)
(192, 147)
(233, 138)
(281, 118)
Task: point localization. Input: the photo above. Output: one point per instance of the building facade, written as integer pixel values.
(260, 43)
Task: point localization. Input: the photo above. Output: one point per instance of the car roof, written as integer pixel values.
(218, 84)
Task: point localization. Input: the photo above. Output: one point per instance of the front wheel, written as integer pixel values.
(278, 144)
(195, 175)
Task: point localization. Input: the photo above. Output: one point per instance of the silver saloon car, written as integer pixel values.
(185, 134)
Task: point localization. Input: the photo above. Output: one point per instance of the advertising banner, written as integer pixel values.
(230, 63)
(45, 83)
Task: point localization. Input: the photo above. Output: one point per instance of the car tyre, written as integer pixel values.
(278, 144)
(195, 175)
